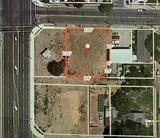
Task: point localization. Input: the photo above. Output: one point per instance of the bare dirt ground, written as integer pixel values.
(61, 110)
(92, 62)
(94, 116)
(52, 39)
(71, 136)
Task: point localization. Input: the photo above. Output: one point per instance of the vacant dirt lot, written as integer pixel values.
(52, 39)
(91, 61)
(61, 109)
(70, 136)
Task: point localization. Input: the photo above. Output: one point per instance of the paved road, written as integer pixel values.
(17, 23)
(8, 87)
(157, 86)
(93, 16)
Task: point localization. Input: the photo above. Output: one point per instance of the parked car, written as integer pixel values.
(141, 10)
(158, 73)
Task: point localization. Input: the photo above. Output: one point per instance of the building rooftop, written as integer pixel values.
(100, 103)
(121, 55)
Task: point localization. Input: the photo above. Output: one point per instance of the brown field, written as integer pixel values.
(92, 62)
(52, 39)
(83, 61)
(70, 136)
(61, 109)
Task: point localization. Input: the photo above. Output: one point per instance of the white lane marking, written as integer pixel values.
(15, 67)
(23, 73)
(18, 49)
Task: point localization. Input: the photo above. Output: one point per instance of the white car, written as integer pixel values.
(141, 10)
(15, 67)
(158, 73)
(54, 1)
(15, 107)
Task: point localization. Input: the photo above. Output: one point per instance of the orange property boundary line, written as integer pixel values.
(66, 45)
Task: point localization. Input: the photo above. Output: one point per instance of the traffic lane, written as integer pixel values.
(6, 90)
(91, 11)
(16, 82)
(16, 11)
(63, 19)
(68, 11)
(7, 12)
(8, 85)
(13, 12)
(133, 20)
(123, 16)
(72, 20)
(23, 85)
(24, 14)
(157, 78)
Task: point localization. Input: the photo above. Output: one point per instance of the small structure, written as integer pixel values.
(121, 55)
(136, 116)
(101, 109)
(101, 103)
(114, 113)
(46, 53)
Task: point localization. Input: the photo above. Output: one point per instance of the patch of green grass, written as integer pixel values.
(143, 99)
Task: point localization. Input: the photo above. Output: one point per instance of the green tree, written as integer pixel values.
(145, 71)
(55, 68)
(78, 5)
(149, 45)
(105, 8)
(121, 102)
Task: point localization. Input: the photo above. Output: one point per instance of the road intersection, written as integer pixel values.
(18, 20)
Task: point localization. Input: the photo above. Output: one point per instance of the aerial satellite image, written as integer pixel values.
(80, 69)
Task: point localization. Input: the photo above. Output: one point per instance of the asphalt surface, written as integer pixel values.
(8, 87)
(17, 22)
(93, 16)
(157, 86)
(142, 54)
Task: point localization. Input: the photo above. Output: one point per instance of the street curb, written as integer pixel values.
(32, 119)
(35, 31)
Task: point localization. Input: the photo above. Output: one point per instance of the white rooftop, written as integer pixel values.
(121, 55)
